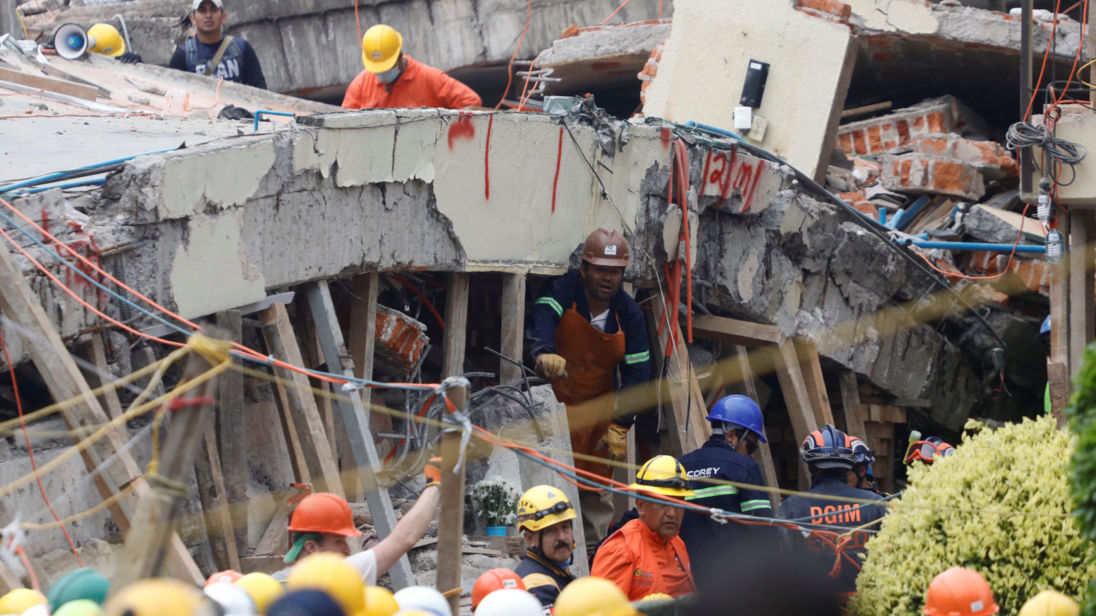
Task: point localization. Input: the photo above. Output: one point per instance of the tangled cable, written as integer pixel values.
(1024, 135)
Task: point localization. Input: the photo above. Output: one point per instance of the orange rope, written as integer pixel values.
(510, 65)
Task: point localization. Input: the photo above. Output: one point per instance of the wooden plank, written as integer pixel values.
(51, 84)
(1059, 330)
(451, 501)
(297, 459)
(765, 455)
(64, 381)
(275, 538)
(803, 419)
(281, 341)
(689, 430)
(855, 413)
(456, 323)
(1058, 380)
(231, 433)
(148, 540)
(362, 340)
(1082, 316)
(213, 495)
(811, 368)
(734, 331)
(95, 353)
(354, 422)
(513, 326)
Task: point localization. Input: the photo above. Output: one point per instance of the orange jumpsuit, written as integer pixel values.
(419, 85)
(637, 560)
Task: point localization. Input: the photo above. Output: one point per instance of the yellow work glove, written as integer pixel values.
(615, 442)
(551, 366)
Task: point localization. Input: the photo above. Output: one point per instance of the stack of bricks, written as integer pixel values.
(401, 340)
(921, 150)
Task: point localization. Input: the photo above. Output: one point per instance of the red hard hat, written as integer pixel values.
(324, 512)
(959, 592)
(492, 580)
(605, 247)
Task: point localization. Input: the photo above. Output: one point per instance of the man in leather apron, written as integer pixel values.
(589, 338)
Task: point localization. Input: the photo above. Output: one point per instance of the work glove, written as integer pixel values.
(129, 57)
(551, 366)
(432, 471)
(614, 442)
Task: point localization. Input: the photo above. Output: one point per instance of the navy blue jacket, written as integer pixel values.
(716, 459)
(542, 578)
(239, 63)
(557, 297)
(831, 513)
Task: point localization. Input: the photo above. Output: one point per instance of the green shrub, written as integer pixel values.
(962, 511)
(1082, 478)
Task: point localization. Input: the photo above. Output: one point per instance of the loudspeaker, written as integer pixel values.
(71, 41)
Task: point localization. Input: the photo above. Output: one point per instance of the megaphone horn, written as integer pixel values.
(71, 41)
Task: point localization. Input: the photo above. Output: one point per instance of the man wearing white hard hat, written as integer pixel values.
(209, 52)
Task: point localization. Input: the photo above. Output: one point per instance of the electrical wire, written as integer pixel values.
(510, 65)
(1025, 135)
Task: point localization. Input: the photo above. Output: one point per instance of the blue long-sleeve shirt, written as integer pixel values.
(558, 295)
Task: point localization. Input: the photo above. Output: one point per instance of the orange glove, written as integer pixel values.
(551, 366)
(433, 472)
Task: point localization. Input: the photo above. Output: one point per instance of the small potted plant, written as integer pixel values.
(496, 500)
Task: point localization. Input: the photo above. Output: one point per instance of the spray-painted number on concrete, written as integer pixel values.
(724, 171)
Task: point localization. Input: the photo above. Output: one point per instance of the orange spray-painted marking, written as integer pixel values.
(487, 160)
(559, 158)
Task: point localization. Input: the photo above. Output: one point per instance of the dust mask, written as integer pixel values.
(390, 75)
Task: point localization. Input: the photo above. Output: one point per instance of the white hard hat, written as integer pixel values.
(233, 599)
(509, 602)
(422, 598)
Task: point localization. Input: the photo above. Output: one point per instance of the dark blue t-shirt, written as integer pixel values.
(240, 65)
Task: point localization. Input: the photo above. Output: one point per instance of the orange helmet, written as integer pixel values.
(492, 580)
(228, 575)
(959, 592)
(324, 512)
(605, 247)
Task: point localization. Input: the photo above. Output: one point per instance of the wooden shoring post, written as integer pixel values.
(451, 501)
(231, 433)
(456, 323)
(306, 424)
(95, 352)
(855, 413)
(147, 541)
(765, 455)
(213, 493)
(1082, 316)
(811, 368)
(63, 379)
(356, 423)
(513, 324)
(689, 430)
(362, 340)
(796, 399)
(1059, 368)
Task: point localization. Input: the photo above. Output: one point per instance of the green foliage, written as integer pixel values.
(977, 509)
(1081, 412)
(496, 501)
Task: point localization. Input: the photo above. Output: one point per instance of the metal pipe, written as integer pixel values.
(1019, 248)
(1026, 92)
(262, 112)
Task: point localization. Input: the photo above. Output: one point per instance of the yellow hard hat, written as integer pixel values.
(105, 39)
(20, 600)
(1050, 603)
(593, 596)
(542, 506)
(656, 596)
(263, 589)
(381, 47)
(332, 574)
(663, 475)
(379, 602)
(159, 597)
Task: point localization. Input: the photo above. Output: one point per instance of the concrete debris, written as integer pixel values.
(401, 340)
(934, 117)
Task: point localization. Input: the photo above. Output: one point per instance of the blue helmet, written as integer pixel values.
(827, 447)
(739, 411)
(861, 454)
(1044, 329)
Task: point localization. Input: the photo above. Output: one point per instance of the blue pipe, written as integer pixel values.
(712, 129)
(977, 246)
(76, 184)
(60, 175)
(263, 112)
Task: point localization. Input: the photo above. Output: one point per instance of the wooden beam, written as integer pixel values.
(354, 422)
(297, 460)
(1082, 315)
(213, 495)
(734, 331)
(456, 323)
(363, 325)
(855, 413)
(147, 541)
(95, 353)
(689, 430)
(811, 368)
(451, 500)
(765, 455)
(281, 341)
(231, 433)
(513, 326)
(64, 381)
(802, 416)
(51, 84)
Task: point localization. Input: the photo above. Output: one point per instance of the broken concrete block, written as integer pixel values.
(861, 203)
(920, 173)
(988, 224)
(738, 183)
(993, 160)
(1033, 274)
(936, 116)
(401, 340)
